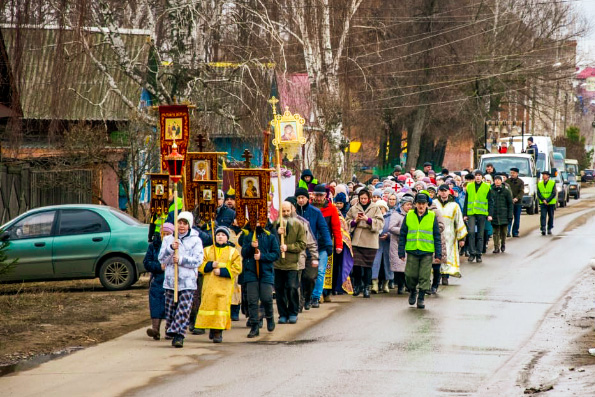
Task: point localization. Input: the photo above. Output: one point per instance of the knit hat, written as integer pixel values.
(478, 172)
(292, 200)
(341, 198)
(407, 198)
(498, 177)
(426, 180)
(397, 168)
(300, 191)
(377, 193)
(223, 229)
(187, 216)
(382, 203)
(320, 189)
(168, 227)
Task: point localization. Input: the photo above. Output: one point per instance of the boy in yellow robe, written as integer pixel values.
(222, 264)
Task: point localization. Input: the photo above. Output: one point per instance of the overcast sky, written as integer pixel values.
(587, 45)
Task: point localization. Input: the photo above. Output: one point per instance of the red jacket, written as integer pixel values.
(331, 216)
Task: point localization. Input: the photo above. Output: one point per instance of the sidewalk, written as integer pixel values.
(133, 360)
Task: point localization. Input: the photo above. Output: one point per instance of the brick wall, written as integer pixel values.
(457, 156)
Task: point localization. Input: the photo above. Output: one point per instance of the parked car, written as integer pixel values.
(76, 242)
(574, 186)
(562, 188)
(587, 175)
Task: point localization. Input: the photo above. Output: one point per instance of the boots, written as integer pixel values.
(400, 290)
(412, 296)
(254, 331)
(391, 284)
(385, 288)
(367, 291)
(270, 324)
(496, 250)
(374, 286)
(444, 280)
(153, 332)
(420, 300)
(356, 290)
(503, 248)
(217, 336)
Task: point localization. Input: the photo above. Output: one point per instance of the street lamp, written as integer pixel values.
(175, 163)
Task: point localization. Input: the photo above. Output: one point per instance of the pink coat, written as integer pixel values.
(394, 228)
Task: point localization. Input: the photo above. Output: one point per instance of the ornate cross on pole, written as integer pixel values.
(200, 141)
(247, 156)
(273, 101)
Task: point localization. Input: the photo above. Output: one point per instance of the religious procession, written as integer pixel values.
(249, 255)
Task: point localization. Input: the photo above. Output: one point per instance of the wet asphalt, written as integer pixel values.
(384, 347)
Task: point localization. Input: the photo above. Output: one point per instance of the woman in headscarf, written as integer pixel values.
(365, 222)
(396, 220)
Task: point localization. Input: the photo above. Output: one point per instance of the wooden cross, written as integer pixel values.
(247, 156)
(265, 153)
(200, 141)
(273, 101)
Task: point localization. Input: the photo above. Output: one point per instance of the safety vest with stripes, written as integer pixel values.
(477, 201)
(420, 235)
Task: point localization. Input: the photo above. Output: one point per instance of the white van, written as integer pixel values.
(527, 172)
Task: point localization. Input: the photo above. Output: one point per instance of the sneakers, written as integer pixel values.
(420, 300)
(478, 259)
(178, 341)
(307, 305)
(292, 319)
(496, 250)
(270, 324)
(433, 291)
(412, 297)
(153, 334)
(254, 331)
(471, 258)
(282, 320)
(549, 231)
(315, 303)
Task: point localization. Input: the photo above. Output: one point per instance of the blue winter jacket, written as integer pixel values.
(268, 245)
(318, 225)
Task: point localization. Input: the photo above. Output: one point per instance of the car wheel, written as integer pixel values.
(117, 274)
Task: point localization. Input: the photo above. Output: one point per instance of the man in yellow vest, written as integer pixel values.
(420, 240)
(547, 195)
(478, 203)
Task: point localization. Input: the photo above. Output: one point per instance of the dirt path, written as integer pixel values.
(43, 320)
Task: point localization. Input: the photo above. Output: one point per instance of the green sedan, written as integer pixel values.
(75, 242)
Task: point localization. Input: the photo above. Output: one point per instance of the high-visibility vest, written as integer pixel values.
(477, 201)
(161, 219)
(420, 235)
(546, 190)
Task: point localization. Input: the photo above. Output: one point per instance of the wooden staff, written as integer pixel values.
(213, 234)
(257, 250)
(176, 239)
(281, 223)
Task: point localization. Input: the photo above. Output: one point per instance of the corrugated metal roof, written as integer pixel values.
(58, 80)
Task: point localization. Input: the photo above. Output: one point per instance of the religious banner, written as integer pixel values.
(202, 170)
(175, 126)
(289, 131)
(159, 193)
(252, 188)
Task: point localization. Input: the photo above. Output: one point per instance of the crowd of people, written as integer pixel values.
(405, 232)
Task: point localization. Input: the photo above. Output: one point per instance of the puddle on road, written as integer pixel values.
(36, 361)
(287, 343)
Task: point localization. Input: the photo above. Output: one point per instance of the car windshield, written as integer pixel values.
(505, 163)
(571, 178)
(540, 162)
(124, 217)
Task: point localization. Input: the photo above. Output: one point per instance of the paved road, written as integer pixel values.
(383, 347)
